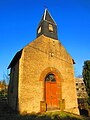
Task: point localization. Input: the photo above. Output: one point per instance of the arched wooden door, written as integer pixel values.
(51, 92)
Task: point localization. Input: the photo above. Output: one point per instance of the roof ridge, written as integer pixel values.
(45, 14)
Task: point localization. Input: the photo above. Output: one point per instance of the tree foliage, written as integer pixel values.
(3, 82)
(3, 89)
(86, 76)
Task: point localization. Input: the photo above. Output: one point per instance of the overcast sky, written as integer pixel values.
(19, 20)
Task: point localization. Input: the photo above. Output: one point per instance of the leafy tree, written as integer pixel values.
(86, 77)
(3, 82)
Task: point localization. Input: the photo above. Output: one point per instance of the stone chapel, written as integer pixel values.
(42, 74)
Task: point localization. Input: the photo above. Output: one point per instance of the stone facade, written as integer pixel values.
(38, 58)
(80, 88)
(29, 68)
(13, 87)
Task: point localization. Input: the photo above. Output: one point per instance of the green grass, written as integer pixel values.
(8, 114)
(44, 116)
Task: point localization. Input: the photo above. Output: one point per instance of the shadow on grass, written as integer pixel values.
(47, 117)
(8, 114)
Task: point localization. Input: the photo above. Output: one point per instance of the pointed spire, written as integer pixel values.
(47, 26)
(48, 17)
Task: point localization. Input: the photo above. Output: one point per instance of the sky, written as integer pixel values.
(19, 20)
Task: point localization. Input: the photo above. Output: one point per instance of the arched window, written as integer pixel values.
(50, 78)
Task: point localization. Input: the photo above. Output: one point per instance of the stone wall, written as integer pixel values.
(13, 87)
(41, 54)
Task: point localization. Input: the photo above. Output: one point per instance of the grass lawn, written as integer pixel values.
(7, 114)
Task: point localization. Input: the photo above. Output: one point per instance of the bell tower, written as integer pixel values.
(47, 26)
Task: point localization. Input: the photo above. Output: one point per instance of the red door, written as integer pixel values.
(51, 92)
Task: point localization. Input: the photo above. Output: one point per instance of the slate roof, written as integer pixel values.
(46, 16)
(15, 59)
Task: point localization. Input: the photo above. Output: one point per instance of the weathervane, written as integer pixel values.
(45, 6)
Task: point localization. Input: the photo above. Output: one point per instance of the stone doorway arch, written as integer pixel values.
(57, 85)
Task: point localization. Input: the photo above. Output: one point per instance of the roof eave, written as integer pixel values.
(15, 59)
(73, 61)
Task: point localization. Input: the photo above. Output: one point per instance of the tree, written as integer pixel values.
(86, 77)
(3, 82)
(6, 77)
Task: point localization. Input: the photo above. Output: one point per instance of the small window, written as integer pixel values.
(82, 88)
(50, 28)
(82, 84)
(76, 84)
(50, 78)
(39, 30)
(77, 89)
(47, 79)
